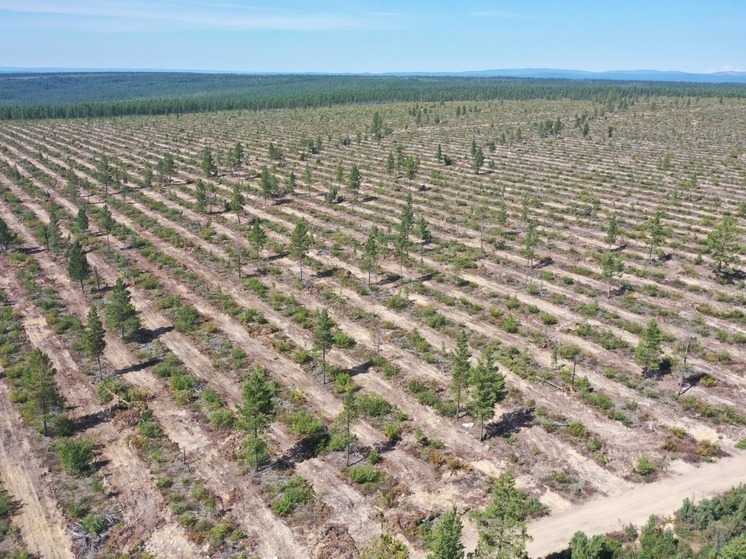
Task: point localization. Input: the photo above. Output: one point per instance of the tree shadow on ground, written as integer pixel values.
(147, 336)
(360, 369)
(278, 256)
(306, 448)
(91, 420)
(137, 367)
(509, 423)
(30, 250)
(390, 278)
(326, 273)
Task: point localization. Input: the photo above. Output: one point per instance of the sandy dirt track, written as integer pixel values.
(38, 517)
(608, 514)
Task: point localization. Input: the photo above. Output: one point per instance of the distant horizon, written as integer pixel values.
(729, 76)
(373, 36)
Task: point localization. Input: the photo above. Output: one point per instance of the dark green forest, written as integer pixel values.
(103, 94)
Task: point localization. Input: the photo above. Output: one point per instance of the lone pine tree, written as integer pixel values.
(120, 312)
(460, 371)
(300, 243)
(77, 264)
(257, 411)
(93, 337)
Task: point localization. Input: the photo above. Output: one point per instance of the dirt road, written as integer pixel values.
(38, 517)
(608, 514)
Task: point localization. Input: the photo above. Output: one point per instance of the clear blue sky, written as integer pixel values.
(374, 35)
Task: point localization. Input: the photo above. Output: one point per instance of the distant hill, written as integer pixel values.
(85, 93)
(624, 75)
(541, 73)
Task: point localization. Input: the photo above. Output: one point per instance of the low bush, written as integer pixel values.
(364, 474)
(76, 456)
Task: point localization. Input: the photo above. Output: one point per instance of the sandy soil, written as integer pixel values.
(600, 516)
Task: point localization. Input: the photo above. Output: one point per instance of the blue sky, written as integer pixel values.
(374, 35)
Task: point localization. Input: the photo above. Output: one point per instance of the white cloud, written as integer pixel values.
(149, 16)
(501, 14)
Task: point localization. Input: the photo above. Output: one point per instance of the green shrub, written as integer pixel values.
(392, 431)
(167, 302)
(293, 493)
(578, 430)
(342, 340)
(548, 319)
(741, 445)
(222, 418)
(645, 467)
(364, 474)
(302, 356)
(373, 456)
(186, 319)
(509, 324)
(6, 504)
(76, 456)
(373, 405)
(147, 427)
(397, 303)
(256, 286)
(304, 423)
(170, 366)
(93, 523)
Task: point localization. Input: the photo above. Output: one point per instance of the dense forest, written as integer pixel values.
(102, 94)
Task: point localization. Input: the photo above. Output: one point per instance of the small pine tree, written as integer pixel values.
(93, 337)
(107, 223)
(268, 183)
(348, 416)
(43, 393)
(648, 351)
(423, 230)
(612, 266)
(81, 220)
(237, 202)
(370, 252)
(489, 389)
(401, 248)
(656, 233)
(291, 183)
(353, 181)
(300, 243)
(723, 244)
(77, 264)
(120, 312)
(445, 542)
(460, 371)
(147, 176)
(323, 338)
(257, 411)
(257, 237)
(208, 163)
(7, 237)
(200, 196)
(612, 232)
(478, 159)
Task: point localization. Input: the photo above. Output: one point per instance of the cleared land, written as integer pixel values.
(579, 414)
